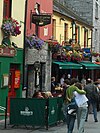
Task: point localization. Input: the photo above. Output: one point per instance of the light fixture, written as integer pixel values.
(36, 8)
(62, 19)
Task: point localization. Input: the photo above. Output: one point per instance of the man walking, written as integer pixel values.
(90, 89)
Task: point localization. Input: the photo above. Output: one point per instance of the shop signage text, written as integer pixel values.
(41, 20)
(6, 51)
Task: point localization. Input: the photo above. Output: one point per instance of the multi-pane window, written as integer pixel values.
(96, 10)
(96, 36)
(7, 8)
(77, 34)
(65, 32)
(85, 38)
(54, 28)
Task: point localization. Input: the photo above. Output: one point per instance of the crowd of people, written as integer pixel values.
(79, 99)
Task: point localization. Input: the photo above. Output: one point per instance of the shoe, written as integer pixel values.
(85, 120)
(96, 120)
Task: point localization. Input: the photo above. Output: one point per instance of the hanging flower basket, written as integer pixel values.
(95, 54)
(75, 56)
(54, 46)
(34, 42)
(11, 27)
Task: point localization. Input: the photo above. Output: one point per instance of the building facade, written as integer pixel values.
(70, 27)
(89, 9)
(11, 49)
(38, 62)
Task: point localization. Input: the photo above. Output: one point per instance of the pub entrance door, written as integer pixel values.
(11, 91)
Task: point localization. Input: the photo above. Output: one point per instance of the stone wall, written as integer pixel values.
(44, 57)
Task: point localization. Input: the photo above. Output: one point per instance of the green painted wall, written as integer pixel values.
(5, 68)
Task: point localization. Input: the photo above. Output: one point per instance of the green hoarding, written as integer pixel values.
(27, 111)
(35, 112)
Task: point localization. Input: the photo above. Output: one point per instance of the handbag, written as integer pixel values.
(72, 107)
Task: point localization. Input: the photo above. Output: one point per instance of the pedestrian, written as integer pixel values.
(62, 80)
(65, 86)
(70, 118)
(81, 101)
(97, 83)
(69, 77)
(83, 81)
(90, 89)
(53, 84)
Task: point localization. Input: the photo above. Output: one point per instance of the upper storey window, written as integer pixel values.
(96, 10)
(7, 8)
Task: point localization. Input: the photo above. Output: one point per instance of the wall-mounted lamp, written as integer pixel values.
(21, 22)
(36, 8)
(83, 26)
(89, 38)
(62, 19)
(37, 65)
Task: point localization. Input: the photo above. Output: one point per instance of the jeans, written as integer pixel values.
(81, 116)
(94, 106)
(70, 123)
(70, 119)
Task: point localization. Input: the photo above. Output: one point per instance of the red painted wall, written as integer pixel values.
(46, 6)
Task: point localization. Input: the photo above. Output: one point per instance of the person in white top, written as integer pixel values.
(62, 80)
(81, 101)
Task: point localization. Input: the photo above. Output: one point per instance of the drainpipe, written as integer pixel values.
(25, 75)
(92, 72)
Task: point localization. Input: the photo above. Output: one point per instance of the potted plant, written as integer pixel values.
(34, 42)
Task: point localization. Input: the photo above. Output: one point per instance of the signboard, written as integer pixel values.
(17, 79)
(5, 80)
(27, 111)
(41, 20)
(5, 51)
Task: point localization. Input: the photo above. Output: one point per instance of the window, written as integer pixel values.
(96, 10)
(65, 32)
(54, 28)
(85, 38)
(96, 36)
(7, 8)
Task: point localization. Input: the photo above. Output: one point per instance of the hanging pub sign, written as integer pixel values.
(41, 19)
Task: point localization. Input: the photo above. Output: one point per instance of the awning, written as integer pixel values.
(89, 65)
(68, 65)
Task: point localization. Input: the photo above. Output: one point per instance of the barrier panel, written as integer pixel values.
(27, 111)
(52, 111)
(35, 112)
(60, 115)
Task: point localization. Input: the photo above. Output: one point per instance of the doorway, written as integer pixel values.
(14, 82)
(11, 91)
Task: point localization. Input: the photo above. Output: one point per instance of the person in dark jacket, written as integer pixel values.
(53, 84)
(90, 89)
